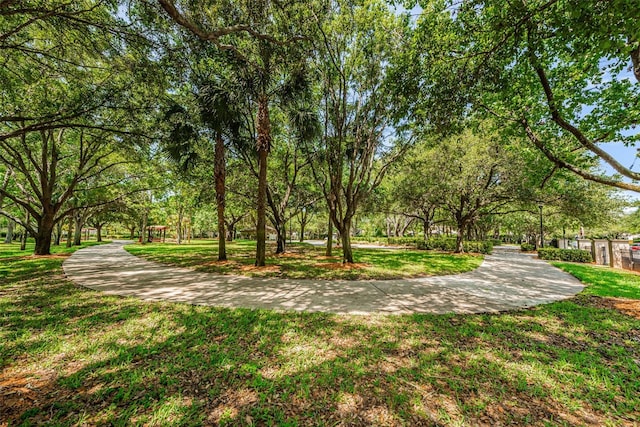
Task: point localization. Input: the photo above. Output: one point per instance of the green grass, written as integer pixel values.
(70, 356)
(604, 281)
(305, 261)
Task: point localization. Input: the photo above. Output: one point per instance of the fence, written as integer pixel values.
(614, 253)
(630, 260)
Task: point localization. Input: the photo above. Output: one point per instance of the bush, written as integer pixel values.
(448, 244)
(403, 241)
(483, 247)
(571, 255)
(527, 247)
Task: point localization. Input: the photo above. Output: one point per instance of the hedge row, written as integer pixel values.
(448, 244)
(527, 247)
(571, 255)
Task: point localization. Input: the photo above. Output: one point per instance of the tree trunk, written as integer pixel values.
(263, 146)
(302, 225)
(69, 231)
(230, 231)
(23, 243)
(347, 252)
(329, 249)
(220, 176)
(10, 227)
(58, 234)
(99, 232)
(25, 234)
(282, 239)
(132, 231)
(460, 239)
(77, 235)
(43, 238)
(143, 228)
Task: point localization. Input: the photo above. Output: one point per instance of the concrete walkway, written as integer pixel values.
(506, 280)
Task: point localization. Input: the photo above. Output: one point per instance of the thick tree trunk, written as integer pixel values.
(329, 249)
(302, 225)
(220, 176)
(263, 146)
(10, 227)
(132, 231)
(43, 241)
(347, 252)
(99, 232)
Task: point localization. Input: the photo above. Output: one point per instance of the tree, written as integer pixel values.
(473, 174)
(561, 72)
(361, 136)
(67, 104)
(263, 39)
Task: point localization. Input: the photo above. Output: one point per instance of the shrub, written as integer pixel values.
(483, 247)
(527, 247)
(571, 255)
(448, 244)
(403, 241)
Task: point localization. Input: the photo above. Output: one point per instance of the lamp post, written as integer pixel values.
(541, 229)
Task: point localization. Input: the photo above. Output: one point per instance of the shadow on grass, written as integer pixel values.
(71, 356)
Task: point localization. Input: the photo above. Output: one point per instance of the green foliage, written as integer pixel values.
(527, 247)
(557, 72)
(448, 244)
(571, 255)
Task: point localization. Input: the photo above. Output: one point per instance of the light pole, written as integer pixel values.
(541, 229)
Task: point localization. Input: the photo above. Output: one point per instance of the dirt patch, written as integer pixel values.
(328, 257)
(19, 392)
(630, 307)
(291, 255)
(54, 256)
(226, 262)
(340, 266)
(31, 256)
(265, 269)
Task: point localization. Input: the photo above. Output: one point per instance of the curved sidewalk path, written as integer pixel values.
(505, 280)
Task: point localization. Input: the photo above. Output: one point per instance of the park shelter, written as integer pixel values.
(157, 233)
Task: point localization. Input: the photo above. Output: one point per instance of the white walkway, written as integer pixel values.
(506, 280)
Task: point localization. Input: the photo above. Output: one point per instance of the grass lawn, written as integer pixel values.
(71, 356)
(604, 281)
(306, 261)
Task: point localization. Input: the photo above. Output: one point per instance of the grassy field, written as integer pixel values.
(305, 261)
(70, 356)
